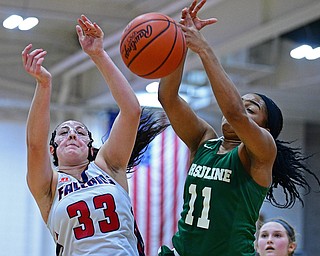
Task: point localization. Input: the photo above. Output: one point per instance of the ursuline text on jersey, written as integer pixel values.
(205, 172)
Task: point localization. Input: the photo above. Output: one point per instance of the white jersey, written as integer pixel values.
(93, 217)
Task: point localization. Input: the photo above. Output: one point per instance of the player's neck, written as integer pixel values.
(227, 145)
(231, 141)
(74, 170)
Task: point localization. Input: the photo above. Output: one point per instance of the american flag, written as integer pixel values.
(156, 190)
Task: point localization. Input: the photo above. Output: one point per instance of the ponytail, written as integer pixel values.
(151, 124)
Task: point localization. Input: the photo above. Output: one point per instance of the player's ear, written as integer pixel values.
(292, 247)
(51, 148)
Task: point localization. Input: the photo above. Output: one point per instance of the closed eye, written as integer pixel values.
(250, 111)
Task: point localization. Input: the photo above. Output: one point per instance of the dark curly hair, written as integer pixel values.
(290, 171)
(290, 167)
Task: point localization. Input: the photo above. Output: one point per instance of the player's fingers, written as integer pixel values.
(85, 19)
(88, 23)
(30, 58)
(89, 26)
(193, 5)
(38, 65)
(98, 30)
(85, 25)
(208, 22)
(188, 20)
(24, 53)
(198, 7)
(81, 23)
(184, 13)
(39, 56)
(80, 32)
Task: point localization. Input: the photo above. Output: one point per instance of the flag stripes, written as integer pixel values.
(156, 190)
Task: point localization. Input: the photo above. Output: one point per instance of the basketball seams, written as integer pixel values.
(152, 46)
(150, 42)
(168, 55)
(124, 37)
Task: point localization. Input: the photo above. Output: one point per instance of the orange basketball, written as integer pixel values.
(152, 45)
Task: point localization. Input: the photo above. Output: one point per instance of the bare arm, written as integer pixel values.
(258, 142)
(40, 174)
(188, 126)
(114, 155)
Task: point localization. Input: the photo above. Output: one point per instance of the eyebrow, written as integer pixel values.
(273, 231)
(76, 127)
(253, 102)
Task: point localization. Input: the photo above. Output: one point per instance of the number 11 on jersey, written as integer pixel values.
(203, 221)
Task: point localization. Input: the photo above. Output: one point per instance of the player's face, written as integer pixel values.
(71, 130)
(256, 110)
(72, 138)
(273, 240)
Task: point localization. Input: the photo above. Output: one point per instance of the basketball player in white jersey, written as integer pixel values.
(84, 200)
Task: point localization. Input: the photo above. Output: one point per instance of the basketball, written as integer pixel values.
(152, 45)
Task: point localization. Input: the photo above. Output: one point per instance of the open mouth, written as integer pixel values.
(269, 248)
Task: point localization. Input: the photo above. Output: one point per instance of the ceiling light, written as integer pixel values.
(314, 54)
(305, 51)
(17, 21)
(148, 100)
(152, 87)
(301, 51)
(12, 21)
(28, 23)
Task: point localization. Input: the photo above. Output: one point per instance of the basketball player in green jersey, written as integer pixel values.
(229, 176)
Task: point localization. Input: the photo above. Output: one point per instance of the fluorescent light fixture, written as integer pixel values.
(314, 54)
(151, 99)
(148, 99)
(28, 23)
(12, 21)
(301, 51)
(152, 87)
(305, 51)
(17, 21)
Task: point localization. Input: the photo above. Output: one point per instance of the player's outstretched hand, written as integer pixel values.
(90, 36)
(32, 63)
(193, 10)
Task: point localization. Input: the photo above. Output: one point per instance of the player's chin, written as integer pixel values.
(227, 129)
(225, 124)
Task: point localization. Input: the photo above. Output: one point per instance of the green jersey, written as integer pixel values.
(221, 206)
